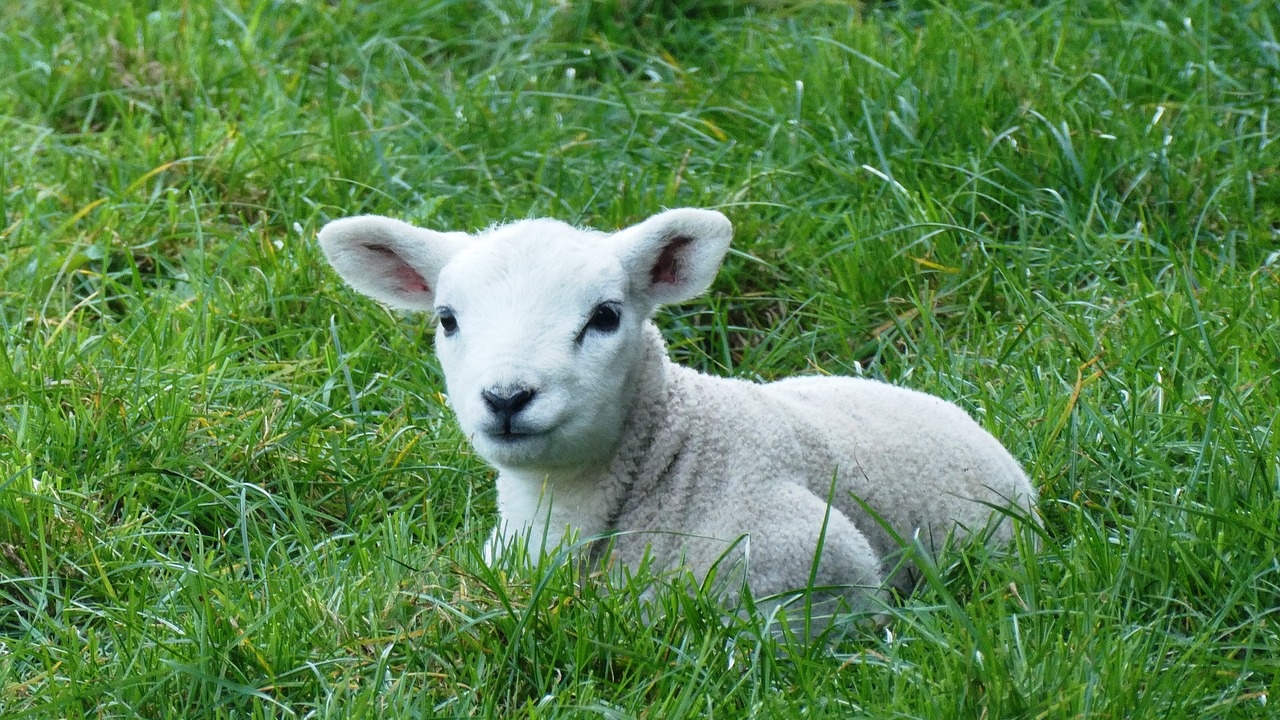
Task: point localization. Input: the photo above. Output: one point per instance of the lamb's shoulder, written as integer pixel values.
(735, 430)
(706, 462)
(731, 484)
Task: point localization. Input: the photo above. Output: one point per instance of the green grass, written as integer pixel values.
(230, 488)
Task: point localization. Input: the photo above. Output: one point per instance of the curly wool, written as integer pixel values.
(707, 464)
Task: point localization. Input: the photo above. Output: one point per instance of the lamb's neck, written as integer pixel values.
(652, 431)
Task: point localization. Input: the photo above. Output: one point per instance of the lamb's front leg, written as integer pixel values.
(546, 513)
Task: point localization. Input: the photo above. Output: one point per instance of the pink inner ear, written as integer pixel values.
(410, 281)
(667, 268)
(406, 277)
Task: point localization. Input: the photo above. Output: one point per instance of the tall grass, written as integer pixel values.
(230, 488)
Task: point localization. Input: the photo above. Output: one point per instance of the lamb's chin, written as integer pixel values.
(513, 450)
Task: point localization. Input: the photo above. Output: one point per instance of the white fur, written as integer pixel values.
(683, 466)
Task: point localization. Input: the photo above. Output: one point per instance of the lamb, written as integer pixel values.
(560, 379)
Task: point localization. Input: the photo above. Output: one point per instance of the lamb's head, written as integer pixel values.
(541, 325)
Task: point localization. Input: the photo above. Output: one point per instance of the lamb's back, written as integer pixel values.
(919, 461)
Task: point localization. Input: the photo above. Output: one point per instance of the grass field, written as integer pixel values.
(229, 487)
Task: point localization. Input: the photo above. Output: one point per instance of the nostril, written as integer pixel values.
(508, 402)
(520, 399)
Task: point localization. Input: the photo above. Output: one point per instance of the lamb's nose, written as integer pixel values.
(506, 402)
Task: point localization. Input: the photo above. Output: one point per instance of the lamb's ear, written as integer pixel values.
(674, 255)
(390, 261)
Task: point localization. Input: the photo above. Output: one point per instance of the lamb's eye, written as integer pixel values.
(448, 322)
(606, 318)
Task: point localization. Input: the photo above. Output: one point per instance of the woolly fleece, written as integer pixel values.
(708, 460)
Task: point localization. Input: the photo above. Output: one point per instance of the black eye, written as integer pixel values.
(605, 318)
(448, 322)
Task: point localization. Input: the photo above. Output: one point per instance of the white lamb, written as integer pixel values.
(561, 381)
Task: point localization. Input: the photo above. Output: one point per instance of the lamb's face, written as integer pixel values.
(540, 324)
(538, 334)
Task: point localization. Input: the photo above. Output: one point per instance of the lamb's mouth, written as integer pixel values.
(514, 436)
